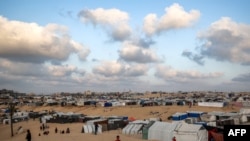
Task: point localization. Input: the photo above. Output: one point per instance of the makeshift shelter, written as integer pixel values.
(101, 122)
(107, 104)
(168, 103)
(131, 103)
(114, 124)
(190, 132)
(211, 116)
(162, 131)
(87, 118)
(194, 114)
(212, 104)
(134, 127)
(245, 111)
(179, 116)
(145, 129)
(90, 128)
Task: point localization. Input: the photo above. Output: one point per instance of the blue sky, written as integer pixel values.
(49, 46)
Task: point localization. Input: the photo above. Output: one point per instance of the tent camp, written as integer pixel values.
(162, 131)
(190, 132)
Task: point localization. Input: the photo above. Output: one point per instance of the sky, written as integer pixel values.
(49, 46)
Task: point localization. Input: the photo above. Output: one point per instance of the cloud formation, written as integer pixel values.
(118, 69)
(167, 73)
(29, 42)
(225, 40)
(242, 78)
(175, 17)
(134, 53)
(113, 20)
(194, 57)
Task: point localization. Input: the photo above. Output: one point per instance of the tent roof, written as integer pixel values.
(189, 127)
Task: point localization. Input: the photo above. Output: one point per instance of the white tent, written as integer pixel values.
(134, 127)
(126, 129)
(162, 131)
(211, 104)
(245, 111)
(89, 128)
(190, 132)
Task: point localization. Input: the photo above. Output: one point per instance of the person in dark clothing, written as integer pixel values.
(56, 130)
(174, 139)
(117, 138)
(67, 131)
(28, 135)
(96, 128)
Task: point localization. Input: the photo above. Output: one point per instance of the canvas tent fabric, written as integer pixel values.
(88, 128)
(134, 127)
(211, 104)
(179, 116)
(162, 131)
(245, 111)
(190, 132)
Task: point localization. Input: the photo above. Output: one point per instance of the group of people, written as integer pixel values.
(62, 131)
(43, 127)
(28, 135)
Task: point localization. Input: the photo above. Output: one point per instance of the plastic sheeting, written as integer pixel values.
(134, 127)
(211, 104)
(162, 131)
(126, 129)
(245, 111)
(190, 132)
(89, 128)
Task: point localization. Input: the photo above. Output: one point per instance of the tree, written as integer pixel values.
(12, 109)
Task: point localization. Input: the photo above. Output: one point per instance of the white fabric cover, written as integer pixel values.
(162, 131)
(190, 132)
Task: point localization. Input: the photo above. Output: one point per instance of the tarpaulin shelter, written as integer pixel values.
(162, 131)
(190, 132)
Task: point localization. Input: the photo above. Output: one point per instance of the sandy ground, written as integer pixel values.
(131, 111)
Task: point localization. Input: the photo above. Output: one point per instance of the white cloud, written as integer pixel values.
(114, 21)
(121, 70)
(62, 70)
(109, 68)
(31, 74)
(29, 42)
(175, 17)
(21, 69)
(135, 53)
(169, 74)
(242, 78)
(226, 40)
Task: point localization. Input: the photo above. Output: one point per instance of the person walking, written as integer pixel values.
(28, 135)
(96, 128)
(174, 139)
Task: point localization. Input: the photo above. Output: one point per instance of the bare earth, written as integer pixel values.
(75, 128)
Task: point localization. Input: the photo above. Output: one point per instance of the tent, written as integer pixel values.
(101, 122)
(190, 132)
(108, 104)
(162, 131)
(134, 127)
(212, 104)
(179, 116)
(194, 113)
(89, 128)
